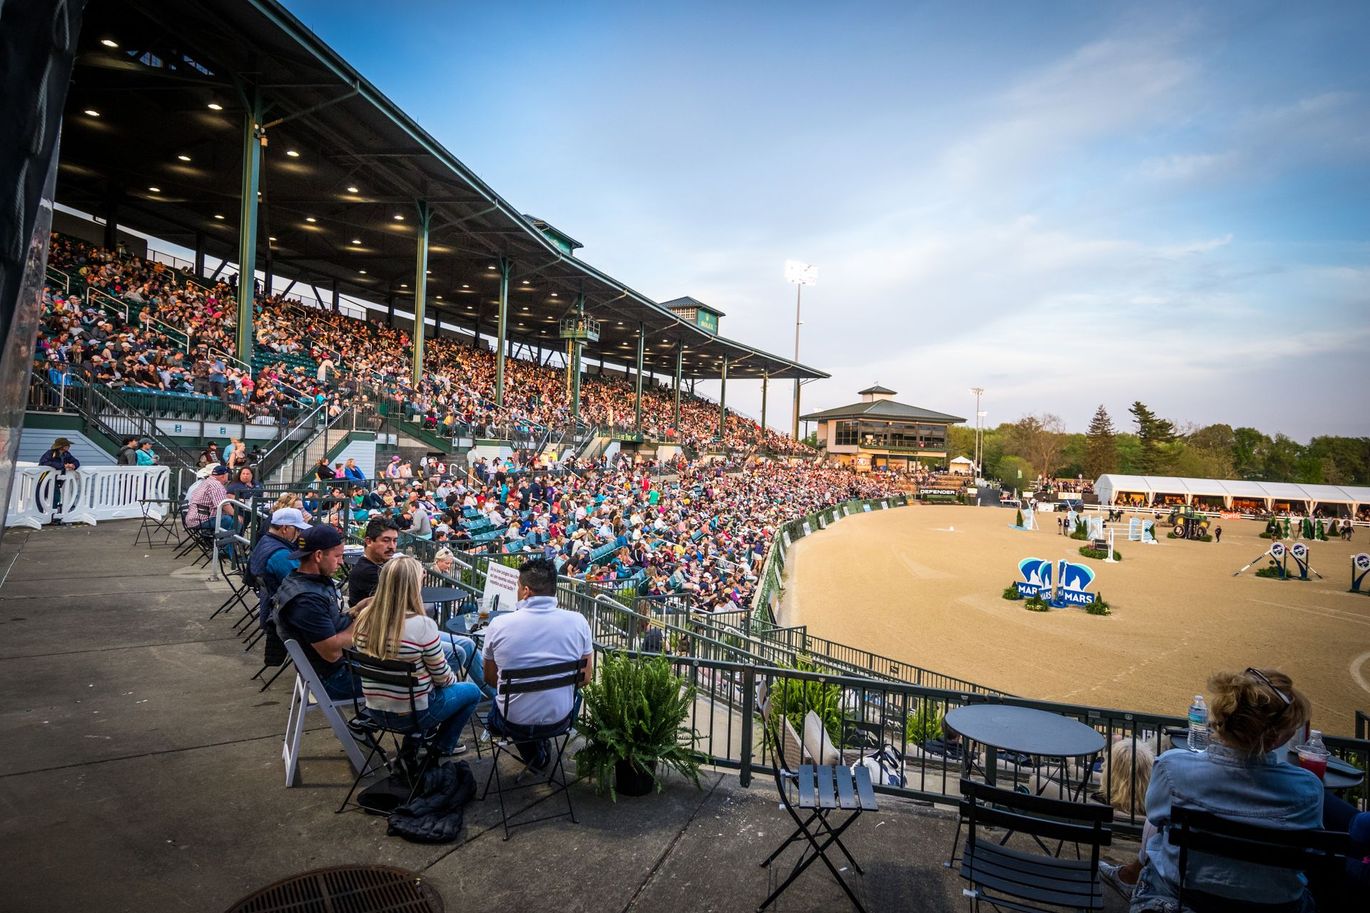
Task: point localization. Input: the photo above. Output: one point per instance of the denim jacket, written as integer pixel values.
(1263, 791)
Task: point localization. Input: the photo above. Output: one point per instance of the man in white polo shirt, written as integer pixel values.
(538, 634)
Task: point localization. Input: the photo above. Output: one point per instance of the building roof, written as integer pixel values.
(877, 389)
(886, 409)
(1111, 483)
(687, 302)
(340, 177)
(962, 459)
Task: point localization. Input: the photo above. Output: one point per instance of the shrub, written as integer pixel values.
(923, 725)
(1098, 607)
(1036, 604)
(1079, 531)
(1011, 592)
(1018, 517)
(1101, 553)
(1271, 570)
(795, 697)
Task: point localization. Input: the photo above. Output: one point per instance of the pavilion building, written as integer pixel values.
(878, 433)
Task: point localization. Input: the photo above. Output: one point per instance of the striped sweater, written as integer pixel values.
(420, 647)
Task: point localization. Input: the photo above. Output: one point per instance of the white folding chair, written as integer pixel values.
(309, 694)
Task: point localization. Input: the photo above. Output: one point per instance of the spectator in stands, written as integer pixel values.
(378, 546)
(538, 634)
(128, 452)
(309, 612)
(205, 501)
(270, 562)
(145, 455)
(59, 457)
(393, 626)
(352, 472)
(323, 472)
(1241, 777)
(210, 455)
(244, 487)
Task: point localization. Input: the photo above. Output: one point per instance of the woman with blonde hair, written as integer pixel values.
(1243, 777)
(393, 625)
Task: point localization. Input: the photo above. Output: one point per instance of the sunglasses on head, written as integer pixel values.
(1259, 676)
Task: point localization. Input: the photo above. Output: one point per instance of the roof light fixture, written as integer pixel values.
(220, 217)
(310, 219)
(271, 238)
(352, 188)
(399, 217)
(292, 153)
(154, 189)
(404, 285)
(356, 240)
(362, 271)
(215, 106)
(91, 112)
(183, 157)
(109, 42)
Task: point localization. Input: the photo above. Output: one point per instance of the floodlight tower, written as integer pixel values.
(979, 392)
(801, 274)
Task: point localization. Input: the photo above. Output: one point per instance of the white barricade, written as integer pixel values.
(112, 493)
(31, 497)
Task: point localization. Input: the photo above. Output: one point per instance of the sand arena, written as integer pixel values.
(922, 584)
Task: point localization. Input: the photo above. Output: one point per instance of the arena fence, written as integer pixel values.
(924, 761)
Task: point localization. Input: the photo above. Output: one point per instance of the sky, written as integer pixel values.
(1067, 204)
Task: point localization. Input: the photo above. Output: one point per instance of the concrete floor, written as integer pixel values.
(143, 773)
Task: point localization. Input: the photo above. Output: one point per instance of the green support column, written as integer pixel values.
(637, 405)
(420, 289)
(247, 225)
(502, 339)
(574, 368)
(723, 402)
(679, 364)
(765, 381)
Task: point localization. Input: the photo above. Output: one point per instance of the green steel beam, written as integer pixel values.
(576, 345)
(637, 405)
(502, 339)
(765, 382)
(247, 224)
(679, 364)
(723, 402)
(420, 288)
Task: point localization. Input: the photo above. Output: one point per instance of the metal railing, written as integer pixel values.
(98, 298)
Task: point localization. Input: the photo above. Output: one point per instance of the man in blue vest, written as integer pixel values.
(270, 562)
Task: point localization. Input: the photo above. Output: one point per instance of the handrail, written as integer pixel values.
(65, 278)
(310, 418)
(144, 316)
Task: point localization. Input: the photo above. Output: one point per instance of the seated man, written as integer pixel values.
(207, 497)
(379, 541)
(309, 611)
(270, 562)
(538, 634)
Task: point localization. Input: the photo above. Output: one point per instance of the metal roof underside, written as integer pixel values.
(153, 94)
(886, 409)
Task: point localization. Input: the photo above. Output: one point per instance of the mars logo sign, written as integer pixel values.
(1073, 582)
(1036, 574)
(1360, 567)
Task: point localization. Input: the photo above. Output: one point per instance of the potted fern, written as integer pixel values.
(634, 725)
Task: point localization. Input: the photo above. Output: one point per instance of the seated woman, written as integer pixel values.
(392, 625)
(1242, 777)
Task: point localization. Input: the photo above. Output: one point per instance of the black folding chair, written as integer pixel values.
(551, 677)
(164, 526)
(819, 791)
(1011, 879)
(1320, 854)
(370, 730)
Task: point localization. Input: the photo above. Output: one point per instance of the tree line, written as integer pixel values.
(1150, 445)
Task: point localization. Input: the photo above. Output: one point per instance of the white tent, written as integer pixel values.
(1114, 488)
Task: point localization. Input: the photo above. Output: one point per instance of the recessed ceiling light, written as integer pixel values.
(439, 297)
(428, 272)
(272, 238)
(554, 294)
(109, 42)
(215, 106)
(464, 285)
(526, 282)
(362, 271)
(491, 266)
(525, 310)
(398, 217)
(404, 285)
(220, 217)
(292, 153)
(310, 219)
(155, 189)
(91, 112)
(352, 188)
(356, 240)
(183, 157)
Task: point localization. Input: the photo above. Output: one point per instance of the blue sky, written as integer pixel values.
(1064, 203)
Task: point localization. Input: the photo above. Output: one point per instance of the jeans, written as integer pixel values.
(340, 684)
(532, 742)
(461, 652)
(448, 710)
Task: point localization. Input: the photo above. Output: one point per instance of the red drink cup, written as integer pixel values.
(1313, 761)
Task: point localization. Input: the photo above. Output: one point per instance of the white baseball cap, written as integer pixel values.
(289, 516)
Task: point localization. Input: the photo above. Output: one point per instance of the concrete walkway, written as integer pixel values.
(143, 773)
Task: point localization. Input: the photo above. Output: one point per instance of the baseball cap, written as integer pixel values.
(289, 516)
(219, 470)
(316, 539)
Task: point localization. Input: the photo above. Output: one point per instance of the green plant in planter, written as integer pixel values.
(1011, 592)
(1036, 604)
(795, 697)
(635, 714)
(923, 725)
(1102, 553)
(1098, 607)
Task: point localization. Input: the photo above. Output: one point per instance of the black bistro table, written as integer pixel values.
(1023, 730)
(443, 597)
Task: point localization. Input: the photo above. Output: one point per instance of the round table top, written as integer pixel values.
(1025, 730)
(442, 594)
(1340, 775)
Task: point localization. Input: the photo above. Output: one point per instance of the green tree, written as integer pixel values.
(1281, 459)
(1038, 439)
(1101, 445)
(1155, 434)
(1249, 447)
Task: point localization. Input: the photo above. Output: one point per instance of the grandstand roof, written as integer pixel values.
(341, 170)
(1110, 484)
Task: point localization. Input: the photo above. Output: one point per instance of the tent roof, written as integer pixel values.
(1284, 491)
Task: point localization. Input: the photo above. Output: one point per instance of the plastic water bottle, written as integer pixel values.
(1198, 724)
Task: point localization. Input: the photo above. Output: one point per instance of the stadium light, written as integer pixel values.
(109, 42)
(215, 106)
(91, 112)
(979, 414)
(352, 188)
(183, 157)
(801, 274)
